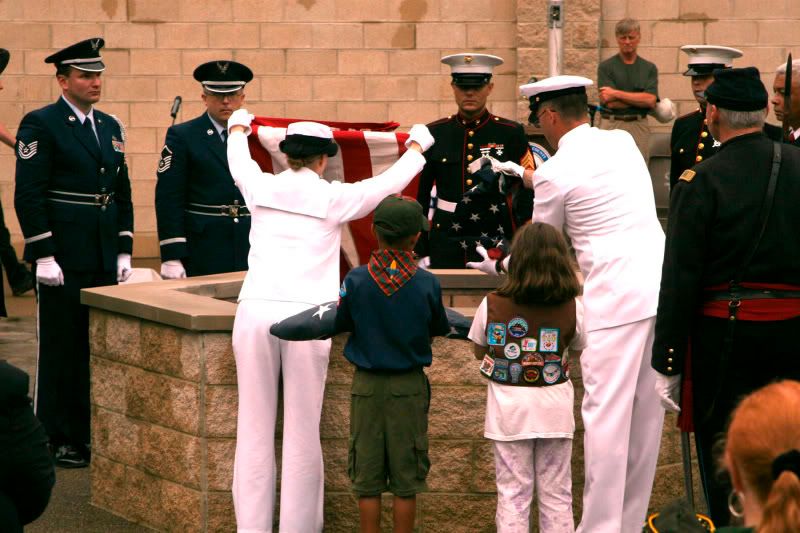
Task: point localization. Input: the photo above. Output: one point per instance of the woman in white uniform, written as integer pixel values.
(293, 265)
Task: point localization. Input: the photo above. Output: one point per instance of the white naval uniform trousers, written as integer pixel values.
(597, 189)
(295, 238)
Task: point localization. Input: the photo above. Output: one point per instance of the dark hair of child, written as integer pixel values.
(540, 269)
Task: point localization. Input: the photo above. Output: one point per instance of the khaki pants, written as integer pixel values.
(639, 130)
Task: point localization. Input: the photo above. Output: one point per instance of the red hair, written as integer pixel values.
(764, 426)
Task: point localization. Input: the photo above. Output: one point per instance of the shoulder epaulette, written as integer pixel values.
(505, 121)
(688, 114)
(687, 176)
(443, 120)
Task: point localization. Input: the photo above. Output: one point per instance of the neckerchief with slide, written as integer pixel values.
(391, 269)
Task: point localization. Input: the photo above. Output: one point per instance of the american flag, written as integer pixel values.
(365, 149)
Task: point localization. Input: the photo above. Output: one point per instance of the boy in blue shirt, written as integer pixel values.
(392, 309)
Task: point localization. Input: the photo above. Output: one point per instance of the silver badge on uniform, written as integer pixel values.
(26, 151)
(166, 159)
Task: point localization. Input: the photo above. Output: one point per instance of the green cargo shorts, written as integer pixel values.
(389, 433)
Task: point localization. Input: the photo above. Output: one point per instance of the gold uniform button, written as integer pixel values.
(470, 133)
(698, 158)
(669, 359)
(671, 350)
(680, 151)
(469, 146)
(444, 160)
(469, 182)
(701, 146)
(470, 157)
(704, 134)
(669, 369)
(438, 226)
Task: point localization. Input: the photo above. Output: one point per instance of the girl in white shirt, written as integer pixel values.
(524, 334)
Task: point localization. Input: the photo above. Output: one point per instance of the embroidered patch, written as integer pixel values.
(26, 151)
(548, 340)
(531, 374)
(532, 359)
(500, 370)
(487, 365)
(515, 370)
(517, 327)
(342, 291)
(552, 358)
(496, 334)
(118, 145)
(551, 372)
(688, 175)
(166, 159)
(511, 350)
(528, 344)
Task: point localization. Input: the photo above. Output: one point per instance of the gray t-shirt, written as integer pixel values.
(641, 76)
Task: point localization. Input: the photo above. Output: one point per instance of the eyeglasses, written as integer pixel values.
(539, 116)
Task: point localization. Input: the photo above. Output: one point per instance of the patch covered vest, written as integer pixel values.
(526, 343)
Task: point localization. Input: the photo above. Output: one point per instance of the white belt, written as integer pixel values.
(444, 205)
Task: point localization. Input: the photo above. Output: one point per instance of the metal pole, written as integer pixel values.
(555, 25)
(686, 452)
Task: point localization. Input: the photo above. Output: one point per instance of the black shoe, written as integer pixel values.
(23, 285)
(67, 456)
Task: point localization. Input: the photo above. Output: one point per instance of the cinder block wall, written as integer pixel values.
(352, 60)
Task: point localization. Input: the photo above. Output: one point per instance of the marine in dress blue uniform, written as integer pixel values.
(460, 139)
(73, 201)
(203, 224)
(691, 142)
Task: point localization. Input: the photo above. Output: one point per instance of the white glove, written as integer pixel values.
(419, 133)
(240, 117)
(124, 269)
(508, 168)
(48, 272)
(487, 266)
(173, 269)
(668, 389)
(424, 262)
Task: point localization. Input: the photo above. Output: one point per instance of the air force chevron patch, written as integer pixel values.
(26, 151)
(166, 159)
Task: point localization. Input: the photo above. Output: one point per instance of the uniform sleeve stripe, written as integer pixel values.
(40, 237)
(126, 234)
(174, 240)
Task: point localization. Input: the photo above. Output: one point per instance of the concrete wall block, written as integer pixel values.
(674, 85)
(221, 407)
(337, 36)
(22, 35)
(129, 89)
(457, 412)
(108, 482)
(463, 513)
(130, 35)
(154, 61)
(97, 331)
(389, 35)
(491, 35)
(286, 35)
(182, 507)
(353, 62)
(204, 11)
(441, 35)
(220, 453)
(676, 33)
(613, 10)
(469, 10)
(532, 35)
(190, 59)
(705, 9)
(153, 11)
(234, 35)
(410, 113)
(335, 422)
(414, 62)
(586, 10)
(20, 88)
(451, 465)
(117, 61)
(143, 192)
(335, 454)
(182, 35)
(322, 11)
(258, 10)
(167, 87)
(669, 60)
(532, 62)
(107, 378)
(64, 35)
(662, 10)
(286, 88)
(581, 62)
(169, 351)
(434, 88)
(150, 114)
(360, 10)
(220, 365)
(122, 339)
(145, 220)
(743, 32)
(339, 516)
(340, 370)
(583, 35)
(456, 355)
(33, 61)
(389, 88)
(171, 455)
(12, 11)
(482, 469)
(314, 62)
(161, 400)
(778, 33)
(311, 110)
(262, 62)
(338, 88)
(363, 112)
(220, 511)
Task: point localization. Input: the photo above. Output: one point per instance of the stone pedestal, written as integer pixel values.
(164, 414)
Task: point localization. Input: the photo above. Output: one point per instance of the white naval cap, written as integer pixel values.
(305, 139)
(471, 70)
(553, 87)
(704, 59)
